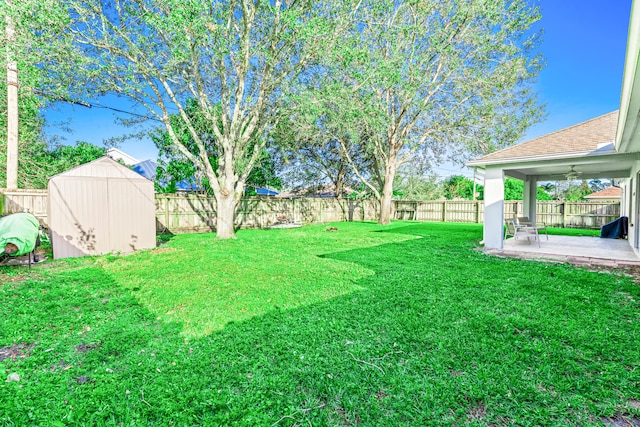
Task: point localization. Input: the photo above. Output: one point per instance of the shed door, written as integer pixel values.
(131, 215)
(77, 213)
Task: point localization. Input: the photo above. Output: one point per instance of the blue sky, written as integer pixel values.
(584, 44)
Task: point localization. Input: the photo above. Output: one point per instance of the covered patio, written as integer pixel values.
(577, 250)
(604, 147)
(582, 151)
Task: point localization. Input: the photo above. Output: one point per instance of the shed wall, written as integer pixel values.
(92, 216)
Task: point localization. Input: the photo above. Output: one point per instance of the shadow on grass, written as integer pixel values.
(440, 335)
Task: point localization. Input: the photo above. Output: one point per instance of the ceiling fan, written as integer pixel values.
(572, 174)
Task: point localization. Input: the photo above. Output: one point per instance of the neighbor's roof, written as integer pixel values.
(147, 169)
(581, 138)
(607, 193)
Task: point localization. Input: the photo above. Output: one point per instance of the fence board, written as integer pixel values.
(36, 202)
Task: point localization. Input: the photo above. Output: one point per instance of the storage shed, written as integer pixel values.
(100, 207)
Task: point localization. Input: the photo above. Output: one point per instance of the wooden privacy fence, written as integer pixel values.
(192, 212)
(184, 213)
(553, 213)
(556, 213)
(34, 201)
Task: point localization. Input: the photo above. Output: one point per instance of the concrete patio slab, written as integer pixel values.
(575, 250)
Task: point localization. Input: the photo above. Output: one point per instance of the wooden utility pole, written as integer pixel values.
(12, 111)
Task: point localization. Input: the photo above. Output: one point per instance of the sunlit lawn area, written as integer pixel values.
(365, 325)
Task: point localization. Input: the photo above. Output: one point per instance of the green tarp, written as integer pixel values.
(20, 229)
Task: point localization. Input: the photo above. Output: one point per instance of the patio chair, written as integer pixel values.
(519, 230)
(540, 228)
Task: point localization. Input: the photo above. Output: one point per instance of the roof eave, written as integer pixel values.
(602, 197)
(540, 158)
(628, 130)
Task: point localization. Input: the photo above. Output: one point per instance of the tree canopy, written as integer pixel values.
(237, 59)
(174, 167)
(449, 79)
(384, 79)
(514, 190)
(37, 159)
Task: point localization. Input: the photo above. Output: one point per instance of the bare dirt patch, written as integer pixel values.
(621, 421)
(477, 412)
(162, 250)
(5, 278)
(15, 351)
(84, 348)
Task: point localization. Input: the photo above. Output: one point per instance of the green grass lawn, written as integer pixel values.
(364, 326)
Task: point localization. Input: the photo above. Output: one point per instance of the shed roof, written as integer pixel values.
(607, 193)
(580, 138)
(104, 167)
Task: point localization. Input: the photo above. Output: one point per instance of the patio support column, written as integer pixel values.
(530, 197)
(493, 208)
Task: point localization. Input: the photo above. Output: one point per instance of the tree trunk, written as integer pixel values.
(226, 215)
(387, 195)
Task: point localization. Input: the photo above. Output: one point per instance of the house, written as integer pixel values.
(608, 195)
(604, 147)
(148, 169)
(260, 191)
(119, 155)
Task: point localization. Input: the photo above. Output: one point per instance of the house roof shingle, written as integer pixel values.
(607, 193)
(582, 137)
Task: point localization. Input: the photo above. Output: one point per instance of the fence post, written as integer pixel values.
(444, 211)
(166, 212)
(563, 209)
(477, 202)
(293, 209)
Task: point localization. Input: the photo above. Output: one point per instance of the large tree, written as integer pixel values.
(174, 167)
(450, 78)
(238, 59)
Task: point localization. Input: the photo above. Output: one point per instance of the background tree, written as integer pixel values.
(237, 59)
(64, 157)
(410, 184)
(450, 78)
(550, 187)
(599, 185)
(32, 163)
(514, 190)
(574, 191)
(460, 187)
(311, 157)
(37, 159)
